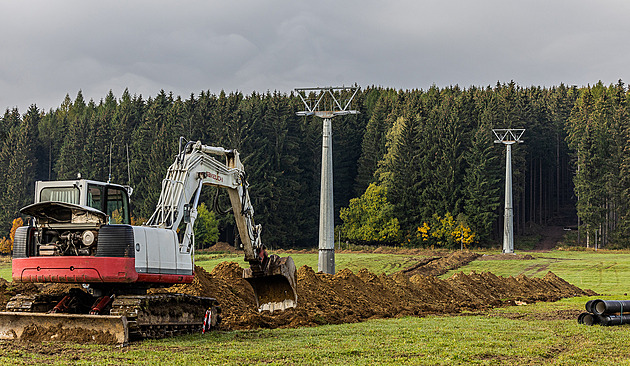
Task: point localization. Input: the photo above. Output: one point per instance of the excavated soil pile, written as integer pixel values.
(222, 247)
(437, 266)
(10, 289)
(347, 297)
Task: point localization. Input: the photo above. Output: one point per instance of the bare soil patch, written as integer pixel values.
(437, 266)
(505, 257)
(550, 237)
(569, 314)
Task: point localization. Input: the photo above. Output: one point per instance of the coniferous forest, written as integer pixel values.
(409, 166)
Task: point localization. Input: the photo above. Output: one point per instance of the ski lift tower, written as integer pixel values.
(508, 137)
(326, 103)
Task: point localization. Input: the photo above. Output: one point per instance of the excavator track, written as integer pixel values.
(165, 315)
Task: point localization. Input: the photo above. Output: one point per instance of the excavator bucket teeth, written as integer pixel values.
(275, 290)
(98, 328)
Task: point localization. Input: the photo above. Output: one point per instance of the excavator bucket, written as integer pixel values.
(275, 290)
(97, 328)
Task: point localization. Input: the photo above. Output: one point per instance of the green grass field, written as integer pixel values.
(511, 335)
(377, 263)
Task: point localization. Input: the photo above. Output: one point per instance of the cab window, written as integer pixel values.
(117, 206)
(94, 198)
(60, 194)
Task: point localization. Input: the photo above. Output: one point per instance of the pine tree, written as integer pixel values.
(583, 137)
(153, 149)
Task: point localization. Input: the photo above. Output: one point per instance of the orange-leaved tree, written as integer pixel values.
(6, 244)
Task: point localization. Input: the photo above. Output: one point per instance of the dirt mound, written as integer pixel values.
(348, 297)
(57, 288)
(226, 284)
(437, 266)
(222, 247)
(10, 289)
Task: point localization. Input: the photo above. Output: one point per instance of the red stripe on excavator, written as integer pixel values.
(78, 269)
(75, 269)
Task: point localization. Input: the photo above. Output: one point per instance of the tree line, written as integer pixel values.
(411, 159)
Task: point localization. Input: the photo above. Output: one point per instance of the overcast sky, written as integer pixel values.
(53, 48)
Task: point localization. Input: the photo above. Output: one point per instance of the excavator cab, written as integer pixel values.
(111, 199)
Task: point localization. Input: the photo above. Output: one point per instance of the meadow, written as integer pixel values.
(519, 335)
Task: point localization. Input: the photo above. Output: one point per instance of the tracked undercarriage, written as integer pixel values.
(165, 315)
(127, 317)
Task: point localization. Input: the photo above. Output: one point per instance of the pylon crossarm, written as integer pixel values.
(356, 90)
(333, 106)
(508, 135)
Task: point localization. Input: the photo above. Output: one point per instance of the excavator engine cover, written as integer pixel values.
(275, 289)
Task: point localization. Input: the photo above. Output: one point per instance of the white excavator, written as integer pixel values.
(80, 233)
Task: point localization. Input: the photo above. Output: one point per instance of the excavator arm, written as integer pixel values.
(196, 165)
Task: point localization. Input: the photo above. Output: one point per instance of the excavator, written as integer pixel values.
(80, 232)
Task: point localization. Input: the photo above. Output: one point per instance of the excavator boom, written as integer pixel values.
(273, 279)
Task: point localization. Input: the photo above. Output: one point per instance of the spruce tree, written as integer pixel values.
(482, 186)
(19, 174)
(374, 139)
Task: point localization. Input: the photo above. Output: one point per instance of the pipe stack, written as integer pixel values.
(606, 312)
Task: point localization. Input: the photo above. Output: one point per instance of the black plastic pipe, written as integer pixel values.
(588, 306)
(591, 319)
(608, 320)
(580, 318)
(610, 306)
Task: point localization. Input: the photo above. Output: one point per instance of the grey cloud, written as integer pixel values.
(50, 49)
